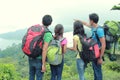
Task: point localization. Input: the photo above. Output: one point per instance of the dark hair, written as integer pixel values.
(78, 29)
(58, 31)
(94, 17)
(47, 20)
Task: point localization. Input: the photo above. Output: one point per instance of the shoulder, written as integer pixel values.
(100, 28)
(64, 41)
(75, 36)
(100, 31)
(48, 34)
(47, 37)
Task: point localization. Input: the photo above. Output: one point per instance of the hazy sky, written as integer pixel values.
(20, 14)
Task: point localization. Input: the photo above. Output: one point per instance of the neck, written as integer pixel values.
(45, 26)
(95, 25)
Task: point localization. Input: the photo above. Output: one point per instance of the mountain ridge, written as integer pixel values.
(18, 34)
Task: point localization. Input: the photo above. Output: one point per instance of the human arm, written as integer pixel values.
(103, 44)
(84, 23)
(64, 45)
(44, 52)
(64, 48)
(74, 48)
(47, 39)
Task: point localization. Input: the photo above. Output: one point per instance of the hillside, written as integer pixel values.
(16, 35)
(14, 67)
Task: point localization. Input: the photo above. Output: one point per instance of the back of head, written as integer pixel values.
(94, 17)
(47, 20)
(58, 31)
(78, 28)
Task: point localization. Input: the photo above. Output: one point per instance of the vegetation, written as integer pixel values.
(8, 72)
(116, 7)
(14, 67)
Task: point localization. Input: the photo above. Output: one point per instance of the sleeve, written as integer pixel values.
(100, 32)
(76, 38)
(64, 42)
(47, 37)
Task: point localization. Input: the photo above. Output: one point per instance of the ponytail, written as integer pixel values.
(58, 31)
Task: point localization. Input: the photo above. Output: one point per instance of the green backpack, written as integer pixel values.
(112, 28)
(54, 53)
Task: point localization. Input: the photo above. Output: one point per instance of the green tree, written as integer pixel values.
(116, 7)
(8, 72)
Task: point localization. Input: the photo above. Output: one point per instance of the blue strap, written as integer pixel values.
(96, 35)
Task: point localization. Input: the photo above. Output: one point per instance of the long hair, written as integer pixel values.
(78, 29)
(58, 31)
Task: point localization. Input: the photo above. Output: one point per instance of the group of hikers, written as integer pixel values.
(38, 39)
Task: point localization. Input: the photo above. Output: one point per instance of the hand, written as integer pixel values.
(68, 48)
(76, 20)
(43, 68)
(100, 61)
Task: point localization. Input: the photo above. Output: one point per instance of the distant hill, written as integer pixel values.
(18, 34)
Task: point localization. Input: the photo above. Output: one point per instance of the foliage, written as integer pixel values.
(11, 51)
(113, 66)
(115, 8)
(8, 72)
(17, 66)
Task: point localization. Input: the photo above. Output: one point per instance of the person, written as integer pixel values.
(78, 30)
(56, 70)
(37, 65)
(97, 64)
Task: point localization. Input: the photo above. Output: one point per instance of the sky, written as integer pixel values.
(20, 14)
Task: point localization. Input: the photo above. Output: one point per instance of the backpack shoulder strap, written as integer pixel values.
(80, 39)
(47, 30)
(96, 35)
(62, 39)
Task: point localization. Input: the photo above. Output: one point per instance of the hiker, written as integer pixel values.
(35, 49)
(78, 30)
(56, 69)
(97, 64)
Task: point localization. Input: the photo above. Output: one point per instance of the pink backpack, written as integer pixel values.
(90, 49)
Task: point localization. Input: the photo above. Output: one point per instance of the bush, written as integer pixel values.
(8, 72)
(113, 66)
